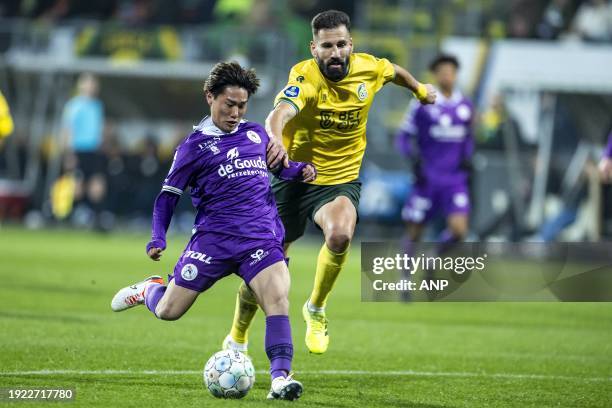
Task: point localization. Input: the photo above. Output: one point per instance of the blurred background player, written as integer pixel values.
(438, 141)
(6, 120)
(237, 228)
(83, 125)
(320, 117)
(605, 164)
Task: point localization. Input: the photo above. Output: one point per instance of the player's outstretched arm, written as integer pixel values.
(425, 93)
(275, 122)
(163, 209)
(297, 171)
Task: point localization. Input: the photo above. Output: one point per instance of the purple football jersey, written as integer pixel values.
(228, 178)
(443, 135)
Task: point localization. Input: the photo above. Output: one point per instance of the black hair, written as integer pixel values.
(443, 59)
(330, 19)
(226, 74)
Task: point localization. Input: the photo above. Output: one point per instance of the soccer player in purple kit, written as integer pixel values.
(438, 140)
(605, 164)
(237, 228)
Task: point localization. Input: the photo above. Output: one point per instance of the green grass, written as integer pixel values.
(55, 315)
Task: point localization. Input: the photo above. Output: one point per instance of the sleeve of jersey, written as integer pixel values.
(297, 91)
(164, 206)
(293, 172)
(181, 171)
(386, 71)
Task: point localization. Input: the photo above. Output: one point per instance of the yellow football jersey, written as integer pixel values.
(6, 122)
(330, 127)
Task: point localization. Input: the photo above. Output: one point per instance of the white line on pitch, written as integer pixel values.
(407, 373)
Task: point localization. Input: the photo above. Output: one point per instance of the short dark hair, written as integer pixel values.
(443, 59)
(226, 74)
(330, 19)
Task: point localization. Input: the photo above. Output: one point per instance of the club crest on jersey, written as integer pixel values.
(253, 137)
(292, 91)
(233, 154)
(463, 112)
(362, 91)
(214, 149)
(189, 272)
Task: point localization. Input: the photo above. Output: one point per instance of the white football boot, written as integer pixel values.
(230, 344)
(132, 295)
(285, 388)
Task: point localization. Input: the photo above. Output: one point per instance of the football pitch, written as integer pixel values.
(57, 331)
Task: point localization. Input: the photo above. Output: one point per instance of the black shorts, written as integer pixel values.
(90, 163)
(299, 202)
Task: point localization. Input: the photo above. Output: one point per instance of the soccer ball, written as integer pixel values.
(229, 374)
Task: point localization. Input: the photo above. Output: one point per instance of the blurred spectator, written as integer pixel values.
(196, 11)
(499, 130)
(50, 9)
(135, 12)
(6, 121)
(572, 197)
(64, 189)
(593, 21)
(149, 175)
(523, 17)
(491, 123)
(93, 9)
(554, 20)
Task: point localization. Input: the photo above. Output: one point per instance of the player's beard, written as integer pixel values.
(332, 73)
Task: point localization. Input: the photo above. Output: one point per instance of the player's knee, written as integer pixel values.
(276, 304)
(338, 240)
(459, 232)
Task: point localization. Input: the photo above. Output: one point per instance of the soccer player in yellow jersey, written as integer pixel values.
(320, 117)
(6, 121)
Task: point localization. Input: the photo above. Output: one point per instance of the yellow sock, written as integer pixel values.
(246, 307)
(329, 265)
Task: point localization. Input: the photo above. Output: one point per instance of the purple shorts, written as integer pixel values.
(427, 200)
(209, 257)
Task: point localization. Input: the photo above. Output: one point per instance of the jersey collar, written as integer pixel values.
(455, 97)
(207, 127)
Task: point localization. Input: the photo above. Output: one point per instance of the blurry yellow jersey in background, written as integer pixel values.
(6, 121)
(330, 127)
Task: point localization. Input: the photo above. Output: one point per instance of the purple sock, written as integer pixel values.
(408, 248)
(445, 241)
(153, 294)
(279, 346)
(408, 245)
